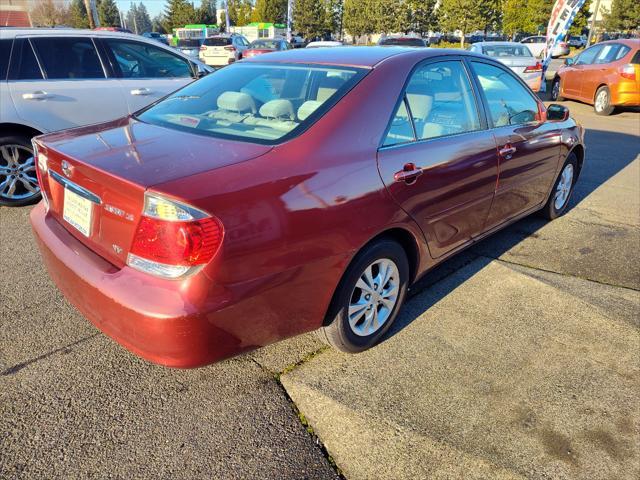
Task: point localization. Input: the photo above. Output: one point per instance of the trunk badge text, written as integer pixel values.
(116, 248)
(118, 212)
(66, 169)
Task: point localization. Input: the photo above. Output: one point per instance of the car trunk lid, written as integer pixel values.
(97, 176)
(518, 64)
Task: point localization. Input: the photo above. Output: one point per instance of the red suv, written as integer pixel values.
(296, 191)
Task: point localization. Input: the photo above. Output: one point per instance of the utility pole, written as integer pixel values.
(92, 13)
(289, 19)
(593, 22)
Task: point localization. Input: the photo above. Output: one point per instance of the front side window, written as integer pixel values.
(140, 60)
(254, 102)
(68, 58)
(510, 103)
(588, 56)
(440, 102)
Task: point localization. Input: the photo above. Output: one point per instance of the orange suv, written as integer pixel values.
(605, 75)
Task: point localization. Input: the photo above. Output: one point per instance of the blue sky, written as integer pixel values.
(153, 6)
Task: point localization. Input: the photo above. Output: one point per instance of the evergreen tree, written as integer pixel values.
(581, 20)
(309, 18)
(143, 19)
(491, 15)
(421, 16)
(78, 14)
(273, 11)
(525, 16)
(157, 24)
(207, 12)
(108, 13)
(357, 19)
(624, 16)
(239, 12)
(178, 13)
(462, 15)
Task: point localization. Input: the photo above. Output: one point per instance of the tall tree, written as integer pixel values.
(273, 11)
(491, 15)
(581, 20)
(47, 13)
(157, 24)
(78, 14)
(239, 12)
(178, 13)
(358, 18)
(207, 12)
(624, 16)
(309, 18)
(421, 15)
(108, 13)
(462, 15)
(525, 16)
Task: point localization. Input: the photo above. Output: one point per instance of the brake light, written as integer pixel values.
(173, 239)
(535, 68)
(231, 48)
(628, 71)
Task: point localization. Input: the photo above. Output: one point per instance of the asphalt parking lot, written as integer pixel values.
(517, 359)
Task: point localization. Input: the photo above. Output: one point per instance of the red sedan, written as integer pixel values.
(296, 191)
(266, 45)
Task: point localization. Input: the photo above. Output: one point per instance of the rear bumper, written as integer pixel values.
(626, 93)
(152, 318)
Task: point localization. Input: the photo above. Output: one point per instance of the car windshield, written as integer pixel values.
(506, 51)
(217, 41)
(262, 103)
(267, 44)
(404, 42)
(189, 43)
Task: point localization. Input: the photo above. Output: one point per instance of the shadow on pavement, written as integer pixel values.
(607, 153)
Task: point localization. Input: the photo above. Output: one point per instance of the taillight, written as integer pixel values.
(628, 71)
(231, 48)
(533, 68)
(173, 239)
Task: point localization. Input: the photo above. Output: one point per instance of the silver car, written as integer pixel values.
(517, 57)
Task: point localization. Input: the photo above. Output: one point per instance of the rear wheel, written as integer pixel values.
(555, 90)
(563, 188)
(368, 298)
(18, 180)
(602, 103)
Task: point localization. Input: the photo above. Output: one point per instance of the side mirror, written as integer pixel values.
(568, 61)
(557, 113)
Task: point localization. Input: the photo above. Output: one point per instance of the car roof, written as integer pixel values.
(10, 32)
(366, 57)
(630, 42)
(514, 44)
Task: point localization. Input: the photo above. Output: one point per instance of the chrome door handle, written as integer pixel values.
(408, 174)
(38, 95)
(507, 151)
(141, 91)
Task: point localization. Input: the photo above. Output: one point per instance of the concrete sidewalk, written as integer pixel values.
(523, 363)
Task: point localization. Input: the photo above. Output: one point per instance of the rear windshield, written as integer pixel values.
(262, 103)
(267, 44)
(507, 51)
(404, 42)
(217, 42)
(191, 42)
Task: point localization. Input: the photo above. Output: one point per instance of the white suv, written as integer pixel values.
(222, 50)
(52, 79)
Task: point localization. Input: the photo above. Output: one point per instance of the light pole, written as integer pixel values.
(289, 19)
(92, 13)
(593, 22)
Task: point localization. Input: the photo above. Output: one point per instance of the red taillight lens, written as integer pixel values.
(628, 71)
(535, 68)
(231, 48)
(177, 243)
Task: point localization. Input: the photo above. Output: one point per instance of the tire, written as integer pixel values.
(555, 90)
(18, 181)
(363, 331)
(560, 196)
(602, 102)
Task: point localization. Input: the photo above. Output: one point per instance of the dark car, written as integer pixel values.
(291, 192)
(402, 42)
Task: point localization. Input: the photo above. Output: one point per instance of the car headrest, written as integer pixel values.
(236, 102)
(279, 108)
(307, 108)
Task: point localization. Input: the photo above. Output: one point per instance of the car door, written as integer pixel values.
(595, 74)
(437, 159)
(573, 76)
(146, 72)
(528, 149)
(60, 82)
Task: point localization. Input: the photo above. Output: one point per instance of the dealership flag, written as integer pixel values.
(562, 15)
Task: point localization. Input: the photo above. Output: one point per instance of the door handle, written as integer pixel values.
(507, 151)
(38, 95)
(408, 174)
(141, 91)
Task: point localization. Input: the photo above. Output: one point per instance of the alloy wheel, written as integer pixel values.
(374, 297)
(564, 187)
(18, 180)
(602, 100)
(555, 91)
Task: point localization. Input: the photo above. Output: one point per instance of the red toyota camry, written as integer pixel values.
(296, 191)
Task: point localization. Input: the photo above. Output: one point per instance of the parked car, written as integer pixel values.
(324, 43)
(577, 41)
(402, 42)
(51, 79)
(222, 50)
(538, 46)
(190, 46)
(156, 36)
(266, 45)
(515, 56)
(605, 75)
(297, 41)
(229, 215)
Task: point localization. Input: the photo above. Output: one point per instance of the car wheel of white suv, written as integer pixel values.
(18, 180)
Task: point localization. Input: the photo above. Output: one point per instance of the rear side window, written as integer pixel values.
(141, 60)
(440, 102)
(5, 54)
(510, 103)
(68, 58)
(636, 58)
(24, 65)
(611, 52)
(217, 41)
(253, 102)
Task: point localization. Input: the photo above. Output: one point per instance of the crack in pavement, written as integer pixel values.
(19, 366)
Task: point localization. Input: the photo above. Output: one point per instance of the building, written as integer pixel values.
(14, 13)
(256, 30)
